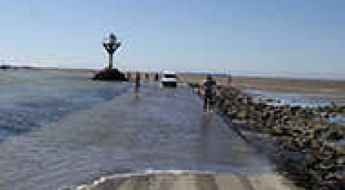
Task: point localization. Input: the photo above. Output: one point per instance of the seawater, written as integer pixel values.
(300, 99)
(59, 128)
(295, 98)
(31, 99)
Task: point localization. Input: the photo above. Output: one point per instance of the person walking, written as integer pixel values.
(209, 86)
(156, 77)
(129, 76)
(147, 76)
(137, 82)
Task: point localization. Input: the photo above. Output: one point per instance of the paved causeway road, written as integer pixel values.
(160, 139)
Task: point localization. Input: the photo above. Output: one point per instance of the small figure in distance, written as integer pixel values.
(209, 86)
(147, 76)
(129, 76)
(156, 77)
(229, 80)
(137, 82)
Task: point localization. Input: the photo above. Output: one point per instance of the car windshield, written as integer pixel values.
(169, 76)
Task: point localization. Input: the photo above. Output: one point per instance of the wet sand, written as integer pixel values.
(277, 84)
(332, 90)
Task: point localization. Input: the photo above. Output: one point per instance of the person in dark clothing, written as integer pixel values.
(209, 87)
(156, 77)
(129, 76)
(147, 76)
(137, 82)
(229, 81)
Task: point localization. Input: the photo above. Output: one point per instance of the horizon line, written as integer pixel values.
(236, 73)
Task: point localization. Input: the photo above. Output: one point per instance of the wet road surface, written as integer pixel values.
(161, 129)
(189, 180)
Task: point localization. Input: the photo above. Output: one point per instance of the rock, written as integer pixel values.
(110, 75)
(277, 131)
(5, 67)
(340, 161)
(342, 109)
(299, 131)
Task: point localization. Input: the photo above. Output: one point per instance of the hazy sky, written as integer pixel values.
(250, 36)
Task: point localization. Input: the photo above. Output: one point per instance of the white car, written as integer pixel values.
(169, 79)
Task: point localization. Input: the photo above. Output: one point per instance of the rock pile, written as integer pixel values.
(5, 67)
(110, 75)
(311, 149)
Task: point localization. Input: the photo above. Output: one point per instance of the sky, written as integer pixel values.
(273, 37)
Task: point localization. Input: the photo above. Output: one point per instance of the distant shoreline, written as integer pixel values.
(263, 76)
(197, 74)
(9, 67)
(326, 88)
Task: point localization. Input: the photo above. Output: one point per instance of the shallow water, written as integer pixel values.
(297, 99)
(31, 99)
(338, 119)
(300, 99)
(60, 129)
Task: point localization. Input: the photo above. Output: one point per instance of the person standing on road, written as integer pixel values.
(156, 77)
(229, 81)
(137, 82)
(209, 86)
(129, 76)
(147, 76)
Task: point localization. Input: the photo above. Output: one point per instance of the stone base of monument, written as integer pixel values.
(110, 75)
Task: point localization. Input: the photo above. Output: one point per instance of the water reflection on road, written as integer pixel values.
(161, 129)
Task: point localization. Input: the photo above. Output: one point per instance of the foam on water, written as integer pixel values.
(147, 172)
